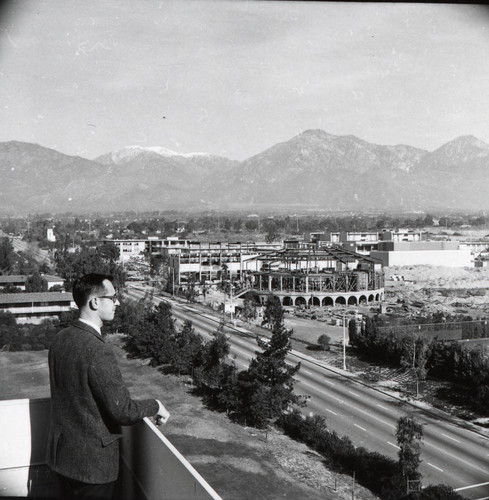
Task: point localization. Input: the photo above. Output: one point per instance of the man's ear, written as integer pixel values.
(93, 303)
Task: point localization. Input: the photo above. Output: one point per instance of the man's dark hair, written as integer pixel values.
(88, 285)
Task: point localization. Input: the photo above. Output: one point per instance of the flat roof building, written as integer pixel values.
(36, 307)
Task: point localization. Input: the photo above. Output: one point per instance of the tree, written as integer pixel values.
(74, 265)
(35, 283)
(187, 350)
(324, 342)
(271, 231)
(7, 255)
(266, 389)
(274, 312)
(409, 434)
(249, 310)
(416, 354)
(149, 330)
(215, 374)
(109, 251)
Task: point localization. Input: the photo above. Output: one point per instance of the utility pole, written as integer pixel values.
(344, 342)
(231, 295)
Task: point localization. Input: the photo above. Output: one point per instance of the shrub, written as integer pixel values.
(324, 342)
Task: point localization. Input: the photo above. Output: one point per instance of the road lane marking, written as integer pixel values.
(360, 427)
(305, 371)
(392, 426)
(394, 445)
(354, 393)
(435, 467)
(331, 411)
(359, 410)
(471, 486)
(455, 457)
(450, 437)
(383, 407)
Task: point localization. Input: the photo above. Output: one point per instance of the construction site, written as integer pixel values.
(327, 276)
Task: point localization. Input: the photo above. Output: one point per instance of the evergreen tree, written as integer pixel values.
(274, 312)
(266, 389)
(216, 376)
(409, 434)
(7, 255)
(187, 350)
(249, 310)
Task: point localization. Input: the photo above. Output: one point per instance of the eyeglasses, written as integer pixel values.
(113, 298)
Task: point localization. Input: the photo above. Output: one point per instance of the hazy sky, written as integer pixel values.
(235, 77)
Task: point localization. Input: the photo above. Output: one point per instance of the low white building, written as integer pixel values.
(413, 253)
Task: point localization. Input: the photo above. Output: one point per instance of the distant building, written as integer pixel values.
(207, 261)
(52, 281)
(412, 253)
(17, 281)
(50, 236)
(138, 247)
(20, 281)
(328, 276)
(362, 242)
(36, 307)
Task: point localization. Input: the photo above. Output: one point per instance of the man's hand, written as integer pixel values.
(163, 414)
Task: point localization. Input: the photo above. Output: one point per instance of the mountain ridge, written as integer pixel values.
(313, 168)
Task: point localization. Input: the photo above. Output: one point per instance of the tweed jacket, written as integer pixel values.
(89, 403)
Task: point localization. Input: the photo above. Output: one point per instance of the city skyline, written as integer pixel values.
(235, 78)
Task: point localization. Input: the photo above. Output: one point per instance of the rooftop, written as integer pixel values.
(21, 298)
(14, 278)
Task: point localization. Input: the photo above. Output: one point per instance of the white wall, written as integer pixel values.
(448, 258)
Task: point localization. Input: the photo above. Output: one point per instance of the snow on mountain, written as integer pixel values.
(128, 153)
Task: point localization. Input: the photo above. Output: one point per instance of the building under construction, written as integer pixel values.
(327, 276)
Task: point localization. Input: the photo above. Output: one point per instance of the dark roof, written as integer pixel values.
(20, 298)
(14, 278)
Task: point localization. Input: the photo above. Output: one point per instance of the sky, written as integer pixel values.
(233, 78)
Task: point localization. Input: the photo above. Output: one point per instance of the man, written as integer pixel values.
(89, 400)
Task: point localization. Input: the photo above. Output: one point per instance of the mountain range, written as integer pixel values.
(313, 170)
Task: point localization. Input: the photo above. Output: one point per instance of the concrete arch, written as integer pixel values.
(352, 300)
(300, 301)
(362, 299)
(340, 300)
(288, 301)
(314, 301)
(328, 301)
(371, 297)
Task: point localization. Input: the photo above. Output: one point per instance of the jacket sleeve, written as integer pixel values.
(110, 391)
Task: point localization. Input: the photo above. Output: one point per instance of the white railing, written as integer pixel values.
(152, 465)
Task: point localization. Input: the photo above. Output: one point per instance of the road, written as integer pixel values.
(22, 246)
(451, 454)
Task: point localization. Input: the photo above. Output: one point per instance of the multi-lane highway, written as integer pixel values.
(451, 454)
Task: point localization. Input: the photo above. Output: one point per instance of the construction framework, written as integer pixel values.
(327, 276)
